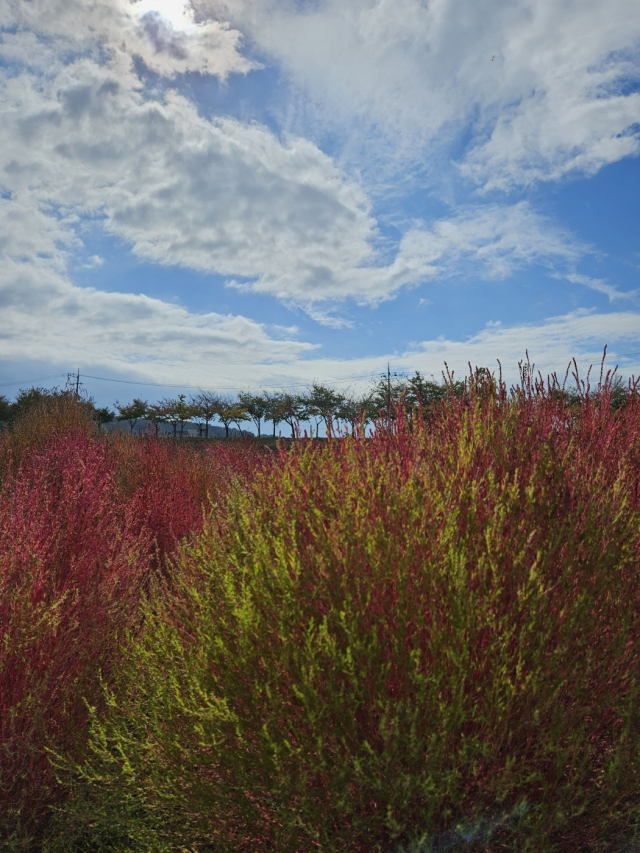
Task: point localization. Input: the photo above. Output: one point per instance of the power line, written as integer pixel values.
(28, 381)
(75, 376)
(233, 388)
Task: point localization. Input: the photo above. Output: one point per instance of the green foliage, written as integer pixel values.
(177, 412)
(356, 410)
(157, 414)
(204, 407)
(231, 412)
(387, 393)
(274, 409)
(285, 407)
(256, 406)
(383, 638)
(324, 403)
(132, 412)
(103, 415)
(6, 409)
(28, 400)
(35, 402)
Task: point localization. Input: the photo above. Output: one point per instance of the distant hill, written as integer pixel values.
(190, 429)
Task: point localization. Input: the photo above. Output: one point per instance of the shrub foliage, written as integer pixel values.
(379, 638)
(71, 565)
(86, 523)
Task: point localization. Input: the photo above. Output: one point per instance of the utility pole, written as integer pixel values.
(76, 376)
(388, 391)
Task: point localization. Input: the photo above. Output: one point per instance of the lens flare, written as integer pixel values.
(177, 12)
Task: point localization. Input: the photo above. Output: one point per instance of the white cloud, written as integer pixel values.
(77, 139)
(538, 84)
(601, 285)
(226, 197)
(495, 239)
(45, 318)
(581, 334)
(48, 319)
(551, 344)
(210, 195)
(81, 137)
(276, 216)
(211, 47)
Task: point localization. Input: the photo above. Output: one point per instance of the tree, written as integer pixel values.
(27, 400)
(6, 409)
(178, 412)
(239, 415)
(283, 406)
(322, 402)
(310, 413)
(619, 396)
(231, 412)
(131, 413)
(42, 405)
(288, 408)
(103, 415)
(205, 406)
(274, 409)
(387, 393)
(356, 410)
(422, 393)
(256, 406)
(157, 414)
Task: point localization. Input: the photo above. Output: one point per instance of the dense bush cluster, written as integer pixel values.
(423, 640)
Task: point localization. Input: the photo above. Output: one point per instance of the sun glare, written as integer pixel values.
(177, 12)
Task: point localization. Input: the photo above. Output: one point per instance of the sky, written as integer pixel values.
(246, 194)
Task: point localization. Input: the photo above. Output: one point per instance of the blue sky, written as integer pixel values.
(235, 194)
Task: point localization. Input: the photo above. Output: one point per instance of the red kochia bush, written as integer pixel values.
(169, 493)
(72, 560)
(171, 485)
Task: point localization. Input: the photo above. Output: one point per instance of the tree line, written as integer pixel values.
(319, 405)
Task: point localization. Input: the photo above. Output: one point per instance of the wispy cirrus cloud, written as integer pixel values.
(538, 89)
(495, 240)
(552, 345)
(601, 285)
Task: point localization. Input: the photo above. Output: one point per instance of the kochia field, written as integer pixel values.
(422, 639)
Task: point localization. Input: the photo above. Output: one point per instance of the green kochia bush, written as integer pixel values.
(386, 637)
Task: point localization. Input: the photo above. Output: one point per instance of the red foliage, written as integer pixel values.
(84, 522)
(168, 498)
(71, 566)
(170, 485)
